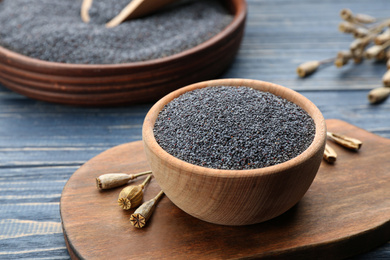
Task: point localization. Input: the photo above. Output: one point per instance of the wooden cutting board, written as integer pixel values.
(345, 212)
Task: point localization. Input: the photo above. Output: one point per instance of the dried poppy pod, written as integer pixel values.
(358, 59)
(381, 56)
(374, 51)
(347, 27)
(345, 141)
(143, 213)
(383, 37)
(359, 44)
(339, 62)
(344, 54)
(131, 196)
(113, 180)
(342, 58)
(378, 95)
(388, 59)
(386, 79)
(357, 56)
(360, 32)
(364, 18)
(307, 68)
(346, 14)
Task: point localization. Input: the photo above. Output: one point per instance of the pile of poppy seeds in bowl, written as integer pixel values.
(53, 30)
(233, 128)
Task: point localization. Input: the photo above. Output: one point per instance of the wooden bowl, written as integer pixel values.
(127, 83)
(235, 197)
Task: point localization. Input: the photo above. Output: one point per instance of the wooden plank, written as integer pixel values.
(30, 226)
(279, 35)
(345, 212)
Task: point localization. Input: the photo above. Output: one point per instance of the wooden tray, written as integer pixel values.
(127, 83)
(345, 212)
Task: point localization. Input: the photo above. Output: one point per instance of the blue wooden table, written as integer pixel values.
(42, 144)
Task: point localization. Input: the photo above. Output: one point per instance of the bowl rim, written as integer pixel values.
(240, 7)
(316, 145)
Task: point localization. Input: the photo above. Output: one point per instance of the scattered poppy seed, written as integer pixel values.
(229, 127)
(53, 30)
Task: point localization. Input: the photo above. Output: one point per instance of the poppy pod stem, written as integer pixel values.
(307, 68)
(375, 50)
(378, 95)
(146, 181)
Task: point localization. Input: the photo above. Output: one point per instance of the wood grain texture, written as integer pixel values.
(344, 213)
(127, 83)
(211, 194)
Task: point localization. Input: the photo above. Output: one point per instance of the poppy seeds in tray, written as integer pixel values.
(229, 127)
(53, 30)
